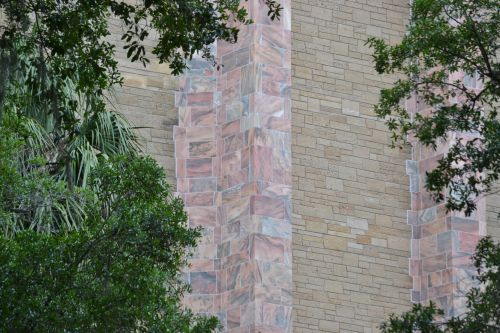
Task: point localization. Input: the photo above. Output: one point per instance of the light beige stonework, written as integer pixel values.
(147, 100)
(350, 238)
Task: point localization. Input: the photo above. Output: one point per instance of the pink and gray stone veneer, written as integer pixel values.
(442, 243)
(233, 155)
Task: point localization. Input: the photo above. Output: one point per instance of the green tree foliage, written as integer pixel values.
(30, 198)
(445, 37)
(57, 64)
(483, 306)
(118, 272)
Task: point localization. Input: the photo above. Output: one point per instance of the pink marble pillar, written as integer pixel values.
(196, 172)
(442, 243)
(234, 171)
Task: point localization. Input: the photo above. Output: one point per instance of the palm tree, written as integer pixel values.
(71, 130)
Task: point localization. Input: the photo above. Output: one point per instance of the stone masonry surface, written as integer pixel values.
(350, 193)
(350, 237)
(233, 169)
(442, 242)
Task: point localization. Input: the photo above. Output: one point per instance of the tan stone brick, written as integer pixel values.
(335, 243)
(329, 326)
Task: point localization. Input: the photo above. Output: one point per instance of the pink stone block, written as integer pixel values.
(262, 163)
(182, 185)
(202, 149)
(435, 279)
(274, 36)
(233, 143)
(234, 259)
(202, 116)
(230, 94)
(205, 250)
(268, 294)
(217, 303)
(250, 188)
(199, 199)
(276, 275)
(200, 133)
(428, 246)
(200, 303)
(250, 274)
(200, 99)
(271, 88)
(199, 167)
(240, 177)
(468, 242)
(281, 176)
(262, 54)
(415, 201)
(202, 216)
(271, 189)
(266, 206)
(179, 133)
(236, 211)
(245, 157)
(233, 78)
(202, 185)
(465, 225)
(278, 123)
(180, 167)
(447, 276)
(224, 48)
(203, 282)
(269, 105)
(434, 263)
(233, 318)
(231, 163)
(260, 137)
(181, 150)
(236, 297)
(231, 128)
(434, 228)
(278, 316)
(233, 277)
(267, 248)
(276, 74)
(415, 267)
(230, 231)
(231, 196)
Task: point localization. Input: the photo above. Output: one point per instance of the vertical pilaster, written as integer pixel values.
(240, 156)
(196, 173)
(442, 242)
(255, 175)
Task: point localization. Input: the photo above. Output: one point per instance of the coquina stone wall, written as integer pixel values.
(351, 242)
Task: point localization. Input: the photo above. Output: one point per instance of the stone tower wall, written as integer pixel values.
(351, 242)
(351, 192)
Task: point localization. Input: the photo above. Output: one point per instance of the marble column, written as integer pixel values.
(234, 171)
(442, 242)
